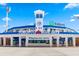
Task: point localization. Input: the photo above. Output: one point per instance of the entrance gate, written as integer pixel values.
(38, 43)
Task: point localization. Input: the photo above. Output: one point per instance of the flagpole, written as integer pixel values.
(7, 11)
(6, 21)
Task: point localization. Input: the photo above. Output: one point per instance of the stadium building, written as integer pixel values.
(40, 35)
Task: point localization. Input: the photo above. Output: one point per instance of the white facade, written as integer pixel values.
(45, 37)
(51, 36)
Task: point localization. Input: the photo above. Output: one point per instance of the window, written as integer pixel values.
(50, 30)
(47, 41)
(62, 40)
(39, 41)
(30, 41)
(39, 16)
(54, 29)
(42, 41)
(45, 29)
(54, 40)
(62, 30)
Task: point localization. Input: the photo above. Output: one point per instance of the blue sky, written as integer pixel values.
(22, 14)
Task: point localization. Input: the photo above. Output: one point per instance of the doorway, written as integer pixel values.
(70, 41)
(15, 41)
(54, 42)
(39, 43)
(8, 41)
(62, 42)
(77, 41)
(1, 43)
(23, 42)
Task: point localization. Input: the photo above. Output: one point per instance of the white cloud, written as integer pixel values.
(71, 5)
(72, 20)
(76, 16)
(6, 18)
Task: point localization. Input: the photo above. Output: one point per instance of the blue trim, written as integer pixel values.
(22, 27)
(68, 33)
(54, 26)
(9, 33)
(47, 26)
(34, 26)
(42, 33)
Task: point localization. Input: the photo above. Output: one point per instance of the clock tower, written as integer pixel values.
(39, 15)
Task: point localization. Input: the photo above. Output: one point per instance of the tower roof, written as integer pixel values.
(39, 11)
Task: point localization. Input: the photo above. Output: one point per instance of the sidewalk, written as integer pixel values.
(39, 51)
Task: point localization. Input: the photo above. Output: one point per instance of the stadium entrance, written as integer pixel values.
(38, 43)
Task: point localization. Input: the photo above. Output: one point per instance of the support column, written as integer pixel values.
(0, 41)
(50, 42)
(19, 41)
(4, 41)
(26, 41)
(57, 41)
(74, 43)
(11, 41)
(66, 41)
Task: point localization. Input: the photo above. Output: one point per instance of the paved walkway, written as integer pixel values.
(39, 51)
